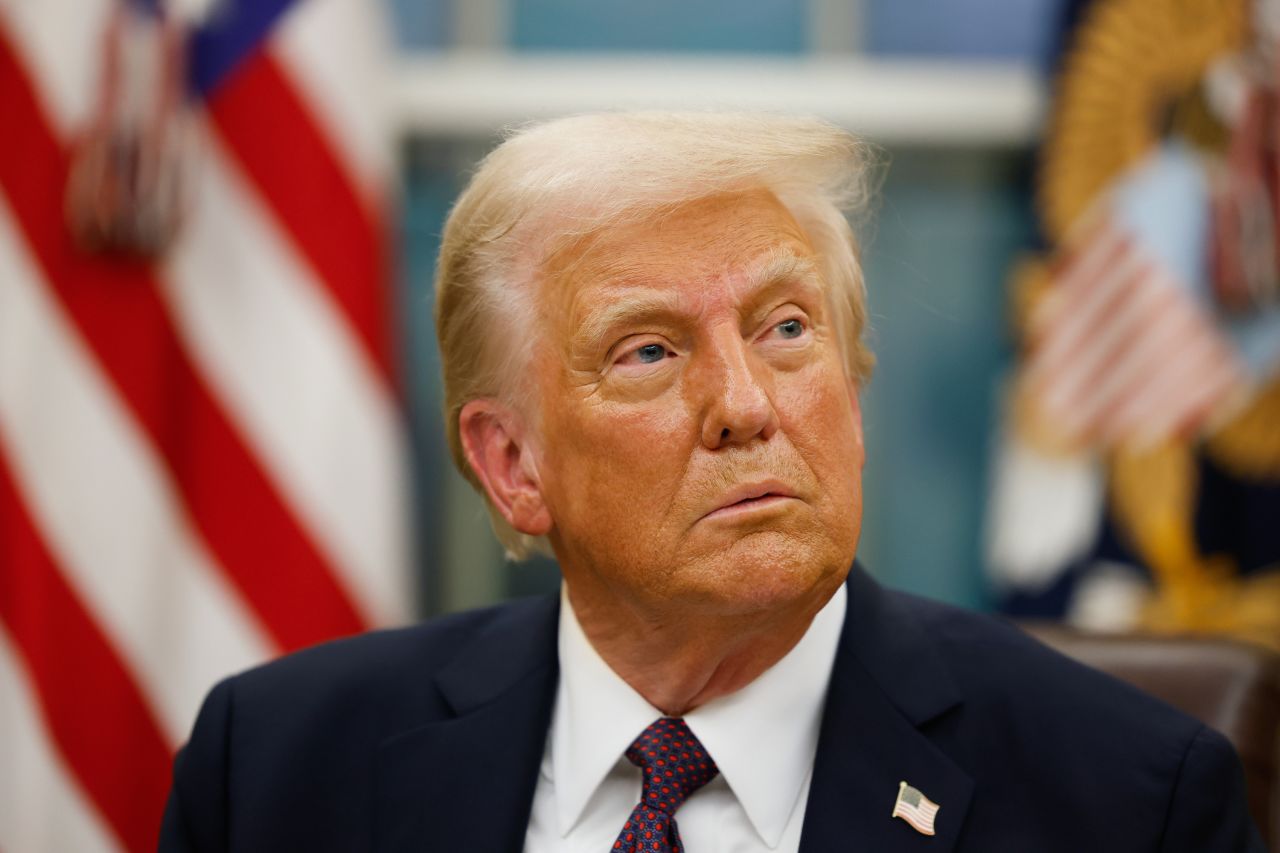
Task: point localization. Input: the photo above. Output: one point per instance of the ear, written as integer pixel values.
(497, 449)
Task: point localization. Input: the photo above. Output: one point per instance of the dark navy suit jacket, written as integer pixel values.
(430, 739)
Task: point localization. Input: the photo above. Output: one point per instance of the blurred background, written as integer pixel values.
(220, 433)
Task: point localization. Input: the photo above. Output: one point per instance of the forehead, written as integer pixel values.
(718, 238)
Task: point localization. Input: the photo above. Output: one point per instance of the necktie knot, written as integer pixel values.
(674, 765)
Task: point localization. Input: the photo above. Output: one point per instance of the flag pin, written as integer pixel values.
(915, 808)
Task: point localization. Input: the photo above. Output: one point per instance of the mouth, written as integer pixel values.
(751, 499)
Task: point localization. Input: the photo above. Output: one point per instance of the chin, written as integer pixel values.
(769, 571)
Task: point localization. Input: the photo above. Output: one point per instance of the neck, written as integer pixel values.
(676, 667)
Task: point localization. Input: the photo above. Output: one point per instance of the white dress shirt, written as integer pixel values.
(763, 738)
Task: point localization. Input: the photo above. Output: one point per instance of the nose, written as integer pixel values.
(740, 405)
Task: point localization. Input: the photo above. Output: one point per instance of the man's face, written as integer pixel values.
(700, 445)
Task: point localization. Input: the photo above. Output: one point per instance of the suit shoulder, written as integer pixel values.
(389, 666)
(1004, 671)
(1036, 728)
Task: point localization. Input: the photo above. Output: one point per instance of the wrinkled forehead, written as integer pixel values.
(730, 238)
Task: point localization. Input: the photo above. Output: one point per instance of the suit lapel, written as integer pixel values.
(887, 685)
(467, 783)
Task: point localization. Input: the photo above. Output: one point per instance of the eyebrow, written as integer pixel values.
(777, 266)
(762, 274)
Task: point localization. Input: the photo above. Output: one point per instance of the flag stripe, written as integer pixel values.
(117, 308)
(41, 805)
(1197, 372)
(1079, 277)
(261, 118)
(200, 462)
(72, 665)
(351, 101)
(1067, 323)
(1095, 263)
(1152, 360)
(1121, 349)
(924, 810)
(255, 320)
(1170, 378)
(106, 507)
(59, 41)
(1082, 367)
(1138, 354)
(1225, 382)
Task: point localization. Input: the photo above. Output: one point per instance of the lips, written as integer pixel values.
(748, 497)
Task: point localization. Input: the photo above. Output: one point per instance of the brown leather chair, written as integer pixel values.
(1228, 685)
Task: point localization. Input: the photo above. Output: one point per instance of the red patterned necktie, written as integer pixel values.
(674, 766)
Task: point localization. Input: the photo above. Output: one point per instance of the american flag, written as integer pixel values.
(201, 454)
(915, 808)
(1121, 352)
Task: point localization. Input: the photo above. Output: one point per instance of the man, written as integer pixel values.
(651, 336)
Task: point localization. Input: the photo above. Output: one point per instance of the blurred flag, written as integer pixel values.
(1141, 453)
(201, 451)
(1119, 352)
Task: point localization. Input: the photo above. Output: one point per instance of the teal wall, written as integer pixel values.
(751, 26)
(1007, 29)
(948, 227)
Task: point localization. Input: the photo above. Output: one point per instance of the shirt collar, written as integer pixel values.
(598, 715)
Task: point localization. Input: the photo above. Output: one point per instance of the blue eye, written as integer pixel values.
(650, 353)
(790, 328)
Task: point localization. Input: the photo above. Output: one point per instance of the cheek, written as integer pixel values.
(815, 401)
(618, 460)
(821, 421)
(620, 436)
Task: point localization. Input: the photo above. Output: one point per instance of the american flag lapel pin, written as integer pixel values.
(915, 808)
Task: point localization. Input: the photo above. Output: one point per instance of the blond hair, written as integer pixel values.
(552, 182)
